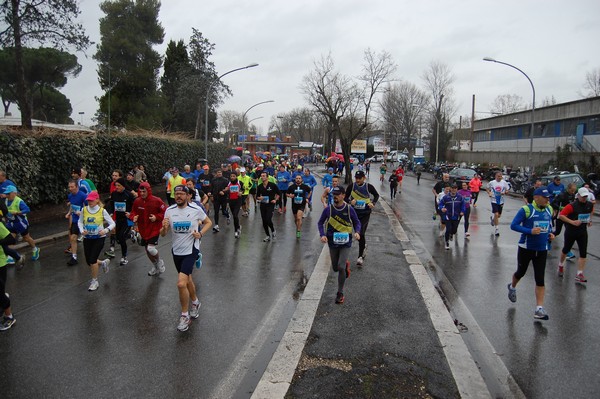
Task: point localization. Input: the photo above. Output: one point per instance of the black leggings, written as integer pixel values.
(451, 228)
(220, 206)
(92, 247)
(538, 258)
(466, 218)
(364, 222)
(578, 236)
(122, 233)
(235, 206)
(4, 300)
(474, 196)
(266, 213)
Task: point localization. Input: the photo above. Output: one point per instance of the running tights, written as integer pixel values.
(339, 256)
(538, 258)
(266, 213)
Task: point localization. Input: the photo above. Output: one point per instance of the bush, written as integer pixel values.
(40, 162)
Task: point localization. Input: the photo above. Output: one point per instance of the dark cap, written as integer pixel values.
(556, 177)
(454, 185)
(131, 173)
(359, 174)
(183, 188)
(337, 191)
(121, 181)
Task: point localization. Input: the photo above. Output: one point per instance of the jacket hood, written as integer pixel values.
(147, 186)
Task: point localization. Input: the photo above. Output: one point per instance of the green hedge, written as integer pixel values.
(41, 163)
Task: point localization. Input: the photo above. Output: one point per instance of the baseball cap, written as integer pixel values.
(556, 177)
(10, 189)
(543, 191)
(242, 169)
(93, 196)
(583, 192)
(359, 174)
(299, 167)
(330, 169)
(183, 188)
(337, 191)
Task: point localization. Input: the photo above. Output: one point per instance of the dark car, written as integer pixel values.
(565, 178)
(460, 175)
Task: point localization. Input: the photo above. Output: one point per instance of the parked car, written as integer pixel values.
(375, 158)
(565, 178)
(354, 160)
(460, 175)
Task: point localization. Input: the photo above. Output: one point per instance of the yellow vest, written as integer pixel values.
(93, 222)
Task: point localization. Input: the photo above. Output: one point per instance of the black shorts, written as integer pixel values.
(253, 191)
(149, 241)
(297, 207)
(74, 229)
(185, 263)
(497, 208)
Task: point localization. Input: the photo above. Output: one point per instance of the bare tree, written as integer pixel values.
(231, 121)
(402, 107)
(438, 79)
(547, 101)
(346, 103)
(591, 85)
(507, 104)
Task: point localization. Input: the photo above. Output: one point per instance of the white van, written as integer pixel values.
(397, 156)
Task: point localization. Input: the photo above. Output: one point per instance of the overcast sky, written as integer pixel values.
(554, 42)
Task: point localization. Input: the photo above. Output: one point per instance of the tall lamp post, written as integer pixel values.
(244, 115)
(437, 131)
(532, 109)
(210, 87)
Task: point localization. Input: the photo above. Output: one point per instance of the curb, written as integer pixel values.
(41, 240)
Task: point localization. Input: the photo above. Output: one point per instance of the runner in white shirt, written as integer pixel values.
(184, 220)
(496, 190)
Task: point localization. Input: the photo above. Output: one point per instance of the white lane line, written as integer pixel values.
(277, 378)
(229, 384)
(466, 374)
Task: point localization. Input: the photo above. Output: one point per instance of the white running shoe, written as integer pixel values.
(195, 310)
(93, 285)
(160, 264)
(184, 323)
(123, 261)
(104, 265)
(359, 261)
(153, 270)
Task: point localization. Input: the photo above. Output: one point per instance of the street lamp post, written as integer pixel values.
(244, 117)
(81, 113)
(206, 106)
(532, 109)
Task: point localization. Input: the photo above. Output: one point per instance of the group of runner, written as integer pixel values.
(540, 220)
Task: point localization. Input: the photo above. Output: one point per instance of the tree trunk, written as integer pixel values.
(22, 98)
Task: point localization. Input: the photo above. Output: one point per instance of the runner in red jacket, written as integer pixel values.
(148, 212)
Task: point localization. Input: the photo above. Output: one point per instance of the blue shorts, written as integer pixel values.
(497, 208)
(18, 226)
(185, 263)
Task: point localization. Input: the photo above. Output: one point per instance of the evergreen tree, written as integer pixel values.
(128, 65)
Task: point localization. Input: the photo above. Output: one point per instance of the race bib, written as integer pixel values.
(234, 189)
(341, 238)
(281, 179)
(182, 227)
(92, 229)
(119, 207)
(584, 217)
(75, 208)
(206, 182)
(543, 225)
(298, 200)
(265, 199)
(467, 200)
(360, 204)
(498, 198)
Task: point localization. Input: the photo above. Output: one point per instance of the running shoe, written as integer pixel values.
(540, 314)
(434, 216)
(561, 270)
(35, 254)
(497, 233)
(10, 260)
(280, 211)
(104, 265)
(451, 237)
(512, 293)
(491, 220)
(123, 261)
(360, 261)
(273, 233)
(467, 234)
(72, 261)
(580, 278)
(195, 310)
(160, 265)
(20, 263)
(93, 285)
(298, 234)
(153, 270)
(110, 253)
(7, 323)
(339, 298)
(198, 262)
(132, 236)
(267, 239)
(68, 250)
(570, 255)
(216, 228)
(447, 245)
(228, 220)
(184, 323)
(236, 234)
(348, 271)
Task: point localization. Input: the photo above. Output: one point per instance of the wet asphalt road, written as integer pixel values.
(548, 359)
(122, 341)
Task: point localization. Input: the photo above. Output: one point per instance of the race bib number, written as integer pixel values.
(265, 199)
(234, 189)
(119, 207)
(92, 229)
(360, 204)
(75, 208)
(298, 200)
(281, 179)
(584, 217)
(182, 227)
(543, 225)
(467, 200)
(206, 182)
(341, 238)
